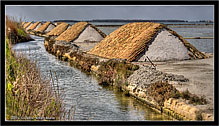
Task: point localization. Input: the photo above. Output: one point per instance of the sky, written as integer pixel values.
(164, 12)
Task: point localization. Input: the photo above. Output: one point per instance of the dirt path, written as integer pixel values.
(199, 73)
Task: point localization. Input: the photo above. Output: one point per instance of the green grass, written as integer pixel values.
(21, 32)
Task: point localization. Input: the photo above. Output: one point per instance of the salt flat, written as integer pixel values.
(200, 73)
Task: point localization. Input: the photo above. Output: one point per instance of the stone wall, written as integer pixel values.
(185, 110)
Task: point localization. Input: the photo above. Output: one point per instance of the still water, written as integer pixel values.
(203, 45)
(82, 92)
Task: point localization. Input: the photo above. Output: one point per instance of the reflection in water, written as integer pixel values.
(90, 100)
(130, 104)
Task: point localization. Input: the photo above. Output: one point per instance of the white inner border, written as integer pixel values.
(117, 6)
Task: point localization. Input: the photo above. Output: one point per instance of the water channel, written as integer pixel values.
(90, 100)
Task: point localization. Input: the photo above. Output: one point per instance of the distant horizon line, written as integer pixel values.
(128, 20)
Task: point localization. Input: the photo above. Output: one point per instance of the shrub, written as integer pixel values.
(21, 32)
(193, 99)
(162, 91)
(15, 32)
(116, 71)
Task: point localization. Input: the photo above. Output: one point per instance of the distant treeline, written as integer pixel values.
(135, 20)
(119, 20)
(129, 21)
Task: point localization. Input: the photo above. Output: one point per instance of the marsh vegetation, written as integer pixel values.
(28, 96)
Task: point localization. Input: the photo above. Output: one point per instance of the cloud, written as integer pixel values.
(38, 13)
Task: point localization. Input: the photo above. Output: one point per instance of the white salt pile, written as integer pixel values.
(166, 47)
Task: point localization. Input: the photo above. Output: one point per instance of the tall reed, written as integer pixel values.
(28, 96)
(14, 30)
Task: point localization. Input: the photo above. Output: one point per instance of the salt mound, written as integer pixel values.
(166, 47)
(136, 41)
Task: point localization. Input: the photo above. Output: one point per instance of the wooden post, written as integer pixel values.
(151, 63)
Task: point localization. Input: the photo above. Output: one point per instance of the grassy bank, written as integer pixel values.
(15, 31)
(28, 96)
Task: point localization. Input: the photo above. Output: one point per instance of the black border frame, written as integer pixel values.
(4, 3)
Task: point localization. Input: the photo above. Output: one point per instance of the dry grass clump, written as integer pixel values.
(15, 32)
(33, 26)
(193, 99)
(27, 24)
(28, 96)
(73, 32)
(162, 91)
(116, 72)
(11, 25)
(31, 96)
(43, 27)
(58, 29)
(49, 42)
(131, 39)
